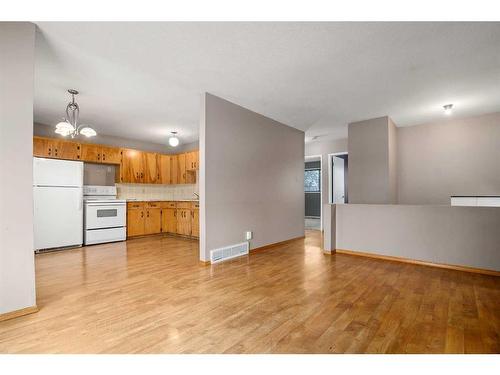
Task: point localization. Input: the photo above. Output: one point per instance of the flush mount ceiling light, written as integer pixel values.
(69, 125)
(173, 140)
(447, 109)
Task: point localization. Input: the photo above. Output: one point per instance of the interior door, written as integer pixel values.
(338, 183)
(312, 189)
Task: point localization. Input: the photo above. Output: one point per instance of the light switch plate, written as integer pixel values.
(248, 235)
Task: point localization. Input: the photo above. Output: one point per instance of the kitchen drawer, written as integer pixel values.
(184, 204)
(153, 204)
(195, 205)
(168, 205)
(135, 205)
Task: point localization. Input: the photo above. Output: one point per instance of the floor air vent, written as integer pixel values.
(228, 252)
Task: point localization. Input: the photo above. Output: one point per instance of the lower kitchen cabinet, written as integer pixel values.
(144, 218)
(195, 223)
(152, 220)
(169, 220)
(135, 219)
(184, 221)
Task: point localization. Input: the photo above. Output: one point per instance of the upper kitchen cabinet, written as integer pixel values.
(56, 148)
(100, 154)
(192, 160)
(151, 172)
(181, 168)
(132, 167)
(174, 166)
(165, 167)
(111, 155)
(91, 152)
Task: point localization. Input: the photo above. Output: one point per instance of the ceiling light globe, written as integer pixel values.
(88, 132)
(173, 141)
(64, 128)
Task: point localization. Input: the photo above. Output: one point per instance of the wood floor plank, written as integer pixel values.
(151, 295)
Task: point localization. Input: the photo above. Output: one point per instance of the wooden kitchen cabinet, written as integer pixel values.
(192, 160)
(181, 168)
(152, 223)
(174, 166)
(62, 149)
(183, 221)
(132, 167)
(195, 221)
(90, 153)
(135, 219)
(135, 166)
(169, 220)
(165, 167)
(110, 155)
(56, 148)
(100, 154)
(151, 173)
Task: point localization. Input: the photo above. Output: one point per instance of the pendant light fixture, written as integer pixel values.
(69, 125)
(173, 140)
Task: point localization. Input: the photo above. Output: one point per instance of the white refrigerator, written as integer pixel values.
(58, 203)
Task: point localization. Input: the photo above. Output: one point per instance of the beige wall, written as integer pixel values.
(372, 145)
(454, 157)
(17, 271)
(466, 236)
(251, 177)
(43, 130)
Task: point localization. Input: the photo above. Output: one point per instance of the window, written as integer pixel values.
(312, 181)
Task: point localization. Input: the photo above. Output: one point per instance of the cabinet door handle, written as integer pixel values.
(103, 156)
(148, 214)
(98, 156)
(142, 213)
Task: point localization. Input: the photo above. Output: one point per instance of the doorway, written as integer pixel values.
(312, 192)
(338, 166)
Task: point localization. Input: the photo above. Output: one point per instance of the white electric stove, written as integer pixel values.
(104, 216)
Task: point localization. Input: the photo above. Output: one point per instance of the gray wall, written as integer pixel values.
(466, 236)
(17, 271)
(372, 146)
(251, 177)
(324, 148)
(43, 130)
(454, 157)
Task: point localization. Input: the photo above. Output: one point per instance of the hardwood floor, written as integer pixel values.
(151, 295)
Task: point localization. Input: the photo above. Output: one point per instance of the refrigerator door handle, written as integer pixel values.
(80, 200)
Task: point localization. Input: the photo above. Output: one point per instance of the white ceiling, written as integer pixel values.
(143, 80)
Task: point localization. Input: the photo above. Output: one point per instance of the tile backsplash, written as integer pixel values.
(160, 192)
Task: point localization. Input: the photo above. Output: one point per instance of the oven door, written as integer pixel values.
(105, 215)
